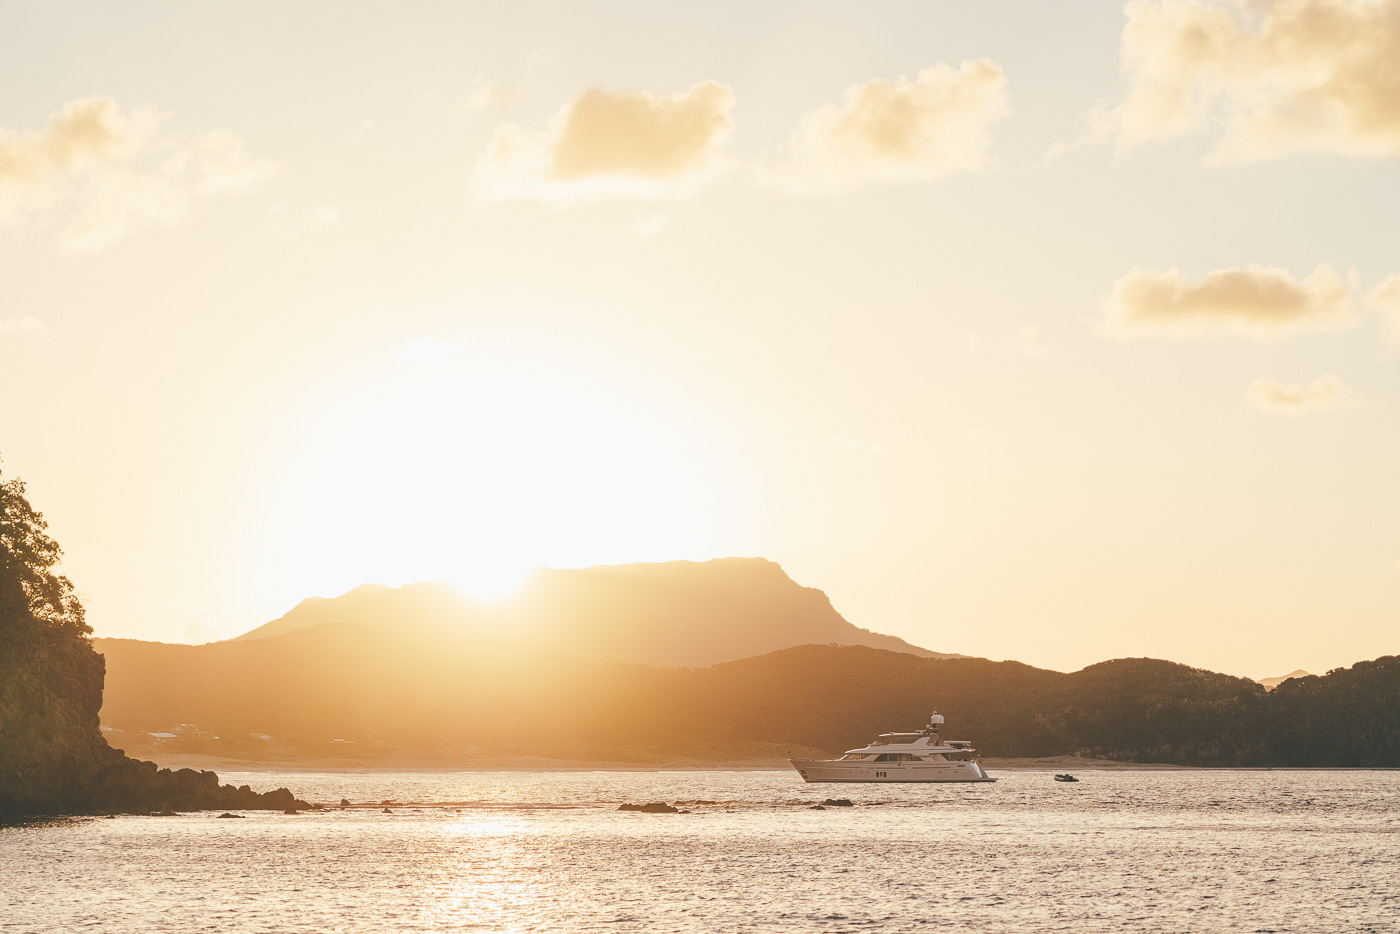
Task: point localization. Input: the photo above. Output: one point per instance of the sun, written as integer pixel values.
(490, 580)
(479, 465)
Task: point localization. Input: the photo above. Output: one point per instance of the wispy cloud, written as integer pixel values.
(100, 172)
(897, 130)
(612, 143)
(1263, 302)
(26, 323)
(1321, 395)
(1384, 299)
(1269, 76)
(287, 226)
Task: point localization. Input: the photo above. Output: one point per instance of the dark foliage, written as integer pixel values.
(436, 690)
(53, 758)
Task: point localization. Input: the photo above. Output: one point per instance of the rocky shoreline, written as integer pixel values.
(132, 786)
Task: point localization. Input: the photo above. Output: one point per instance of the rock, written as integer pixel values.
(387, 811)
(292, 811)
(227, 815)
(53, 756)
(816, 807)
(838, 803)
(655, 807)
(344, 802)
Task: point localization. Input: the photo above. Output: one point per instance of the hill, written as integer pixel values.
(455, 694)
(1271, 683)
(674, 614)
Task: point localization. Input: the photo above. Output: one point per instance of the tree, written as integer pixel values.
(32, 596)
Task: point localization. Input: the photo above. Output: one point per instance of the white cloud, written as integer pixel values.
(898, 130)
(1272, 76)
(99, 172)
(612, 143)
(1320, 395)
(1262, 302)
(488, 93)
(1385, 299)
(431, 351)
(26, 323)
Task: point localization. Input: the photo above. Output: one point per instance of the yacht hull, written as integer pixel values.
(835, 770)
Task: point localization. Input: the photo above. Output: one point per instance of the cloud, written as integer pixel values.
(1026, 341)
(1320, 395)
(1262, 302)
(606, 143)
(430, 351)
(31, 325)
(286, 227)
(199, 629)
(898, 130)
(1384, 298)
(1273, 76)
(488, 93)
(99, 172)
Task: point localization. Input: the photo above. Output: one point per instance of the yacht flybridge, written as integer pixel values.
(901, 757)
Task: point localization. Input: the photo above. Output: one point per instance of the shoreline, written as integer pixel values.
(399, 765)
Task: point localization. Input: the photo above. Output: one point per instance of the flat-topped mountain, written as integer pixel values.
(1271, 683)
(675, 614)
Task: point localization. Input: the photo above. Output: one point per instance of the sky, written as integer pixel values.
(1055, 332)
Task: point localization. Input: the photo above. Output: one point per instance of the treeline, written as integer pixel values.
(439, 691)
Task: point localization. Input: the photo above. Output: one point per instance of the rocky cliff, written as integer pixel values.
(53, 758)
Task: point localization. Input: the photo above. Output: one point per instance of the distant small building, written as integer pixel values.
(160, 739)
(261, 737)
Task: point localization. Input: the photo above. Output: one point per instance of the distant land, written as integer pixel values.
(423, 675)
(675, 614)
(1271, 683)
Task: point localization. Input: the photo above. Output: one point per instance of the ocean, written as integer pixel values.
(1120, 851)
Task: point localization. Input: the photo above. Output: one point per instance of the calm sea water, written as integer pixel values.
(525, 852)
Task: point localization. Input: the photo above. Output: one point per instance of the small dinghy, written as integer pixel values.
(1065, 777)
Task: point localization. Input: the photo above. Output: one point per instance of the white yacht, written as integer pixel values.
(901, 757)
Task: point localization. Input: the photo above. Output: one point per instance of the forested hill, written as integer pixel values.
(452, 693)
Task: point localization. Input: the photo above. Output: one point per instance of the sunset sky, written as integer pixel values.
(1056, 332)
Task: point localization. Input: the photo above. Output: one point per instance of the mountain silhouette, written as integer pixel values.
(677, 614)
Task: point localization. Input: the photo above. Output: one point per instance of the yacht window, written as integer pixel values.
(854, 755)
